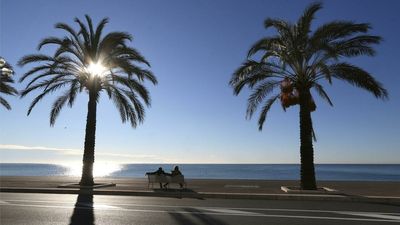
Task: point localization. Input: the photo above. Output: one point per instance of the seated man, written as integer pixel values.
(160, 171)
(174, 172)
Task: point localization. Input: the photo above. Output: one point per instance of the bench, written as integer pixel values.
(154, 178)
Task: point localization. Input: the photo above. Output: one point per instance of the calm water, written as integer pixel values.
(362, 172)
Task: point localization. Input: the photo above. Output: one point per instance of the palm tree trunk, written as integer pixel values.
(307, 172)
(90, 136)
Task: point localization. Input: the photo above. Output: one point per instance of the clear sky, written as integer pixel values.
(193, 47)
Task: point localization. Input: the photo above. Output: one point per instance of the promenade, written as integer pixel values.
(211, 188)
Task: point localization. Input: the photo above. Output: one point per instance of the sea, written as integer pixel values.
(345, 172)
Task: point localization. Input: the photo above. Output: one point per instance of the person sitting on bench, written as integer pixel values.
(160, 171)
(174, 172)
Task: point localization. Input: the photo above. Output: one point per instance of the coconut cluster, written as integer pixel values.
(290, 95)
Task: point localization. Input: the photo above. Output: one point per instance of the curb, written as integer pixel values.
(322, 190)
(204, 195)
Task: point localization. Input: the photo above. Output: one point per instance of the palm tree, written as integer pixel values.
(85, 60)
(6, 72)
(297, 60)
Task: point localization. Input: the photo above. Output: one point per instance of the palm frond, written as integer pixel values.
(99, 31)
(6, 72)
(70, 30)
(313, 134)
(139, 109)
(73, 90)
(113, 40)
(91, 30)
(359, 45)
(283, 27)
(260, 92)
(35, 70)
(5, 103)
(50, 40)
(144, 74)
(125, 108)
(74, 49)
(320, 90)
(44, 93)
(269, 44)
(34, 58)
(265, 109)
(304, 22)
(338, 29)
(84, 33)
(252, 72)
(134, 86)
(5, 86)
(130, 54)
(131, 69)
(359, 78)
(57, 106)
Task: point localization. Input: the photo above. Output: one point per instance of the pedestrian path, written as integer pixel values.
(208, 188)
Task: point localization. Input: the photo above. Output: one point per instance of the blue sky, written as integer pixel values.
(193, 47)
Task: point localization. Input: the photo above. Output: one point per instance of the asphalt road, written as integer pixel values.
(66, 209)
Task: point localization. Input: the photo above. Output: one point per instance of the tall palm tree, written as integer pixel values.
(297, 59)
(6, 79)
(85, 60)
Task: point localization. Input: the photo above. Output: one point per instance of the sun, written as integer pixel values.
(96, 69)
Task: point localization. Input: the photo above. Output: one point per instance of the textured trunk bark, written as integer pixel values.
(90, 136)
(307, 171)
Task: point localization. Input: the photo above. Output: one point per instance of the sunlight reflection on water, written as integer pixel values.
(100, 169)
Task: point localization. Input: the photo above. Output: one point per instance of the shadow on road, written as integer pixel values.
(174, 190)
(180, 193)
(83, 212)
(195, 216)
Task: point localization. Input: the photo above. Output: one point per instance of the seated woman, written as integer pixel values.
(160, 171)
(174, 172)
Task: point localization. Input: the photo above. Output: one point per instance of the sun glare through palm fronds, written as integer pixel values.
(96, 69)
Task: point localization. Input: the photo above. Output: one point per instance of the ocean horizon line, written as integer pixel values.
(178, 163)
(366, 172)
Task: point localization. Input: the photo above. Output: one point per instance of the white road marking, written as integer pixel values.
(96, 206)
(241, 186)
(372, 196)
(215, 213)
(374, 215)
(207, 208)
(229, 211)
(103, 206)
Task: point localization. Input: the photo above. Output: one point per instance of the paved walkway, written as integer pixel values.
(208, 187)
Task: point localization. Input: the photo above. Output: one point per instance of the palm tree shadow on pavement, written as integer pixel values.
(195, 216)
(83, 212)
